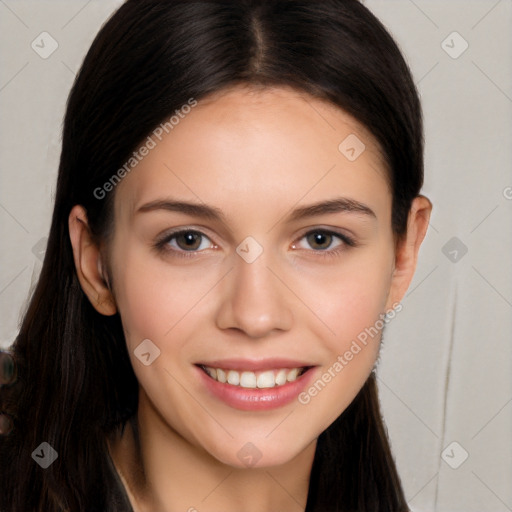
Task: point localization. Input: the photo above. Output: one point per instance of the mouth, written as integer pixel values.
(262, 379)
(255, 385)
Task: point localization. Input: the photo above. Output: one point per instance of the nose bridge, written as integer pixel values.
(254, 300)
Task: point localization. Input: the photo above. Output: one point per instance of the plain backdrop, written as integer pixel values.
(445, 373)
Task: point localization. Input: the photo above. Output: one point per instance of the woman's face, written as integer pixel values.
(249, 241)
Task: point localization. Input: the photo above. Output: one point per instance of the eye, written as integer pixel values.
(185, 241)
(321, 240)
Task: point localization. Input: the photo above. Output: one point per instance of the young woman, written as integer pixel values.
(238, 215)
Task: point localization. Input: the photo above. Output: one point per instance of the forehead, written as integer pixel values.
(260, 144)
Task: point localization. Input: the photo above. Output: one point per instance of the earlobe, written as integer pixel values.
(88, 263)
(406, 255)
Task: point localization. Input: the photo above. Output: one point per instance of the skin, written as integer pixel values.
(256, 155)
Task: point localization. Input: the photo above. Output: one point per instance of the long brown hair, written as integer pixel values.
(75, 384)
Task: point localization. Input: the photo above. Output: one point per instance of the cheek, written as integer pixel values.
(150, 298)
(162, 302)
(349, 300)
(350, 297)
(361, 301)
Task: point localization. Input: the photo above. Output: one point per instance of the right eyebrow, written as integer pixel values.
(193, 209)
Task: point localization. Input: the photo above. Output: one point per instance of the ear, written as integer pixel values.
(88, 264)
(406, 252)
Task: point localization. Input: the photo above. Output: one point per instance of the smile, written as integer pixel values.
(251, 380)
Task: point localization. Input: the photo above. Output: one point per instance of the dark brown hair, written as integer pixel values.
(75, 383)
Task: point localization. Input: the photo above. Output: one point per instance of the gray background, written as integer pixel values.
(445, 373)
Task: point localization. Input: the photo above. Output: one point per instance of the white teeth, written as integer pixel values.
(233, 378)
(212, 372)
(292, 375)
(248, 380)
(281, 377)
(266, 380)
(251, 380)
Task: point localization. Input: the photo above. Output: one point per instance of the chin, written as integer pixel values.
(258, 454)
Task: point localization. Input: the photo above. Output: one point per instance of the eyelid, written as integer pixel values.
(200, 235)
(161, 243)
(329, 254)
(168, 233)
(346, 238)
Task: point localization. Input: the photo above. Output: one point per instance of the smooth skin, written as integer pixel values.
(255, 155)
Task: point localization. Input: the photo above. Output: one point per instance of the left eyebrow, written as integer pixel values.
(337, 205)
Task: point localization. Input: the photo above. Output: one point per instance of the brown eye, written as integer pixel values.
(324, 242)
(189, 240)
(319, 240)
(184, 242)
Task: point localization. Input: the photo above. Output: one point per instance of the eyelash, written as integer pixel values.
(346, 242)
(161, 244)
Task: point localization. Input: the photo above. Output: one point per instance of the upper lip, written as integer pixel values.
(255, 365)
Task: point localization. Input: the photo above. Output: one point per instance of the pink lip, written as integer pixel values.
(255, 399)
(254, 365)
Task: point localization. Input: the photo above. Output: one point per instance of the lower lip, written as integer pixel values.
(254, 399)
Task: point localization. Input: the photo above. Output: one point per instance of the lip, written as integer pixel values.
(254, 365)
(254, 399)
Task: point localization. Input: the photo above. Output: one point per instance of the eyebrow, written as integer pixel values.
(337, 205)
(201, 210)
(193, 209)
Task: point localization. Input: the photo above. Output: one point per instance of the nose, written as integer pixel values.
(254, 301)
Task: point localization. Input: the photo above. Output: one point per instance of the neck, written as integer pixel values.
(163, 471)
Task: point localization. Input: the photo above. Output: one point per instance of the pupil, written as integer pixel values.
(320, 240)
(190, 240)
